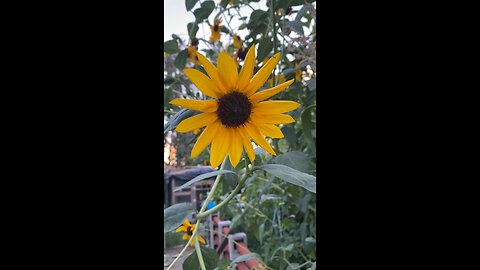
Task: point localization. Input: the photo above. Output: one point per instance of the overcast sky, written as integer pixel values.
(176, 19)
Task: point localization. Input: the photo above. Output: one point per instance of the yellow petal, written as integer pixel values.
(201, 239)
(247, 70)
(275, 106)
(197, 105)
(247, 143)
(235, 148)
(185, 237)
(205, 138)
(272, 118)
(262, 95)
(220, 145)
(196, 121)
(258, 138)
(186, 223)
(202, 82)
(262, 75)
(181, 229)
(212, 72)
(271, 131)
(227, 71)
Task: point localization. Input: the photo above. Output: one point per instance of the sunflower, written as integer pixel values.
(188, 229)
(192, 54)
(237, 113)
(237, 41)
(215, 30)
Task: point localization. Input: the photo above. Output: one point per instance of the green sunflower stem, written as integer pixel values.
(204, 206)
(197, 248)
(224, 202)
(234, 192)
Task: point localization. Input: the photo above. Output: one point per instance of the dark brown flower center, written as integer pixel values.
(189, 231)
(234, 109)
(215, 28)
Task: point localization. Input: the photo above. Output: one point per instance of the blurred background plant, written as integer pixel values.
(278, 217)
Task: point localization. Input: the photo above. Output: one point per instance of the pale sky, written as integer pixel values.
(176, 19)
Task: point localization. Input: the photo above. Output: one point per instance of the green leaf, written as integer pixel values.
(192, 32)
(189, 4)
(210, 5)
(296, 2)
(295, 159)
(177, 118)
(261, 232)
(245, 257)
(225, 30)
(181, 59)
(297, 26)
(174, 215)
(265, 46)
(282, 4)
(312, 84)
(210, 259)
(204, 11)
(301, 13)
(290, 135)
(168, 80)
(307, 181)
(167, 96)
(171, 46)
(224, 3)
(257, 17)
(307, 130)
(201, 177)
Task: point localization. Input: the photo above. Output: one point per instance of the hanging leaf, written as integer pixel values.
(297, 26)
(295, 159)
(177, 118)
(290, 135)
(246, 257)
(201, 177)
(171, 46)
(307, 129)
(301, 13)
(204, 11)
(264, 48)
(192, 30)
(210, 258)
(307, 181)
(174, 216)
(181, 59)
(167, 96)
(189, 4)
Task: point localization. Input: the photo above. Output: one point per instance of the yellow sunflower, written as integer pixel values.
(192, 54)
(188, 229)
(237, 113)
(216, 28)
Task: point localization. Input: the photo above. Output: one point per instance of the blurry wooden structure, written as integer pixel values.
(175, 177)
